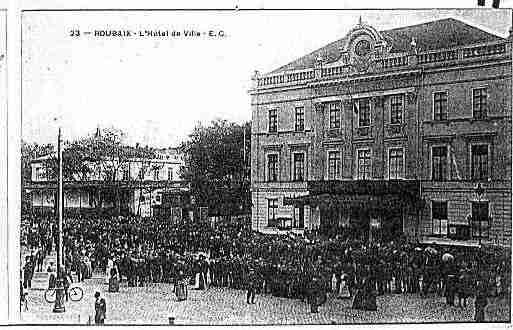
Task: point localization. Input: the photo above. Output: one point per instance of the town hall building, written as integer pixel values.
(403, 132)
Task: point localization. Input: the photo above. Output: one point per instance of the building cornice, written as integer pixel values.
(363, 95)
(465, 119)
(373, 77)
(467, 136)
(490, 53)
(336, 97)
(291, 132)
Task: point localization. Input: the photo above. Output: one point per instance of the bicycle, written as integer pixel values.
(75, 293)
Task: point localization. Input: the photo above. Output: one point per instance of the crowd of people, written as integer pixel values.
(307, 267)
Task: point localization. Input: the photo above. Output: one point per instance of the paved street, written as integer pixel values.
(155, 303)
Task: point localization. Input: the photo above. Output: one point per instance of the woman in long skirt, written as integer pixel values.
(369, 296)
(110, 266)
(180, 287)
(114, 280)
(343, 291)
(358, 299)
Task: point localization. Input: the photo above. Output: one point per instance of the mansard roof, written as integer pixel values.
(434, 35)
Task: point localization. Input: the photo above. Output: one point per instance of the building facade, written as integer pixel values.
(138, 188)
(387, 133)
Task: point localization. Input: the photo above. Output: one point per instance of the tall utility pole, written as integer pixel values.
(480, 192)
(59, 289)
(244, 167)
(61, 202)
(244, 145)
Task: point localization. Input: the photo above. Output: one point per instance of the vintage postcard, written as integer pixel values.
(265, 167)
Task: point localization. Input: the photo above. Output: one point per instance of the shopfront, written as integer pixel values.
(362, 210)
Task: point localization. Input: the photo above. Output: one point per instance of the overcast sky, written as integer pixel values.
(157, 89)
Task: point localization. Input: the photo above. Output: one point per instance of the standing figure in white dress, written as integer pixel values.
(110, 265)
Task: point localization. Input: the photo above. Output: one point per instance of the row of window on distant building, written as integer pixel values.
(155, 174)
(41, 174)
(440, 164)
(363, 109)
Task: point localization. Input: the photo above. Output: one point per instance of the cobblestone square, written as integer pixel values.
(154, 304)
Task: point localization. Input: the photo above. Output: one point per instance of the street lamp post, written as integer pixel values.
(480, 192)
(59, 287)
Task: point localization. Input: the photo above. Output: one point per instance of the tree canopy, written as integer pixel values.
(103, 152)
(215, 166)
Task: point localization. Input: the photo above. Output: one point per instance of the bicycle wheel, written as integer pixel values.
(50, 295)
(76, 293)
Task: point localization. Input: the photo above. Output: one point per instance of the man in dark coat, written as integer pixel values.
(130, 269)
(253, 281)
(28, 272)
(481, 301)
(316, 293)
(267, 274)
(76, 265)
(465, 286)
(203, 271)
(165, 260)
(221, 269)
(369, 295)
(40, 257)
(216, 272)
(451, 281)
(100, 309)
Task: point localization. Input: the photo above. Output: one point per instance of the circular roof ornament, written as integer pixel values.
(362, 47)
(361, 53)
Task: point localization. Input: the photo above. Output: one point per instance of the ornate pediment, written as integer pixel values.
(363, 45)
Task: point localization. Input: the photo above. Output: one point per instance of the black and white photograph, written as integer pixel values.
(265, 167)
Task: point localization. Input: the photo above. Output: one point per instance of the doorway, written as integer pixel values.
(360, 222)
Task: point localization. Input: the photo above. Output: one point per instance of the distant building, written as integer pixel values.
(137, 189)
(385, 133)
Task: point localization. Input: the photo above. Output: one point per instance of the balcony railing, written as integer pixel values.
(485, 50)
(333, 71)
(333, 133)
(283, 78)
(443, 56)
(395, 61)
(395, 129)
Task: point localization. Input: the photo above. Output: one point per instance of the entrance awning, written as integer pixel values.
(365, 187)
(359, 193)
